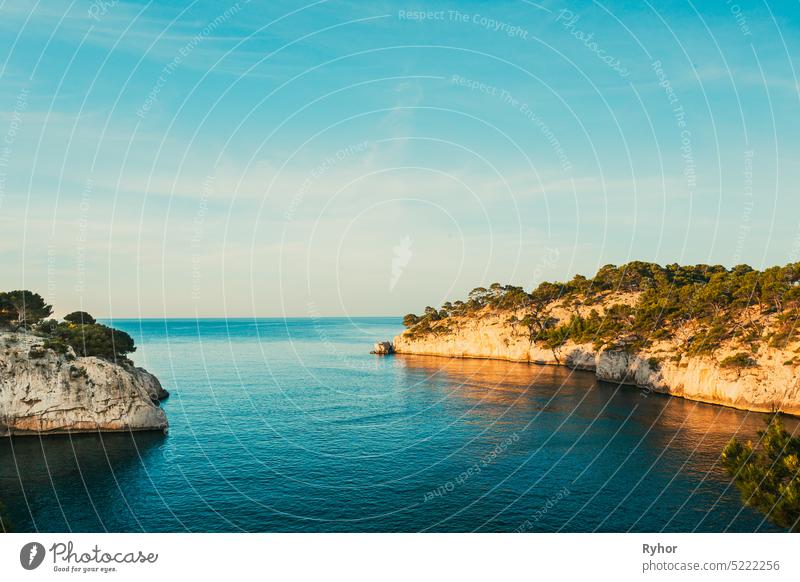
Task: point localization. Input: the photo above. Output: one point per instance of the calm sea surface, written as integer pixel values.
(290, 425)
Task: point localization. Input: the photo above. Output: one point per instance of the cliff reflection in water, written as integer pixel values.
(42, 475)
(498, 391)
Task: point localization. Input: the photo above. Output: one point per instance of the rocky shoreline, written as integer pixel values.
(45, 392)
(770, 384)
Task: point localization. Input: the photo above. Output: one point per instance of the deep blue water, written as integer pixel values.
(290, 425)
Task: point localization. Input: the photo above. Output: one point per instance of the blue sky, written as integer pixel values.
(330, 158)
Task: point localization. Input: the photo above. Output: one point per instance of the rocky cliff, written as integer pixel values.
(42, 391)
(769, 382)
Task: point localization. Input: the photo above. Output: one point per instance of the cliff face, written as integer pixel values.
(771, 383)
(44, 392)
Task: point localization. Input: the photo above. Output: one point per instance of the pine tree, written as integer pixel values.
(768, 474)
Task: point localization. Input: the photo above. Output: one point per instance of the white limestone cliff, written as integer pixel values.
(772, 384)
(45, 392)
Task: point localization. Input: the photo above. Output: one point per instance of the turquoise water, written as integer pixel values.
(290, 425)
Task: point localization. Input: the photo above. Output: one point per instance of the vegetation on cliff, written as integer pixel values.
(23, 308)
(28, 311)
(768, 474)
(699, 306)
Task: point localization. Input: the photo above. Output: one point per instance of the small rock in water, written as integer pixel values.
(383, 349)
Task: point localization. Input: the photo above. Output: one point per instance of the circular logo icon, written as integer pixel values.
(31, 555)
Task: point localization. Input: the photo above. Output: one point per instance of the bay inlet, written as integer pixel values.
(290, 425)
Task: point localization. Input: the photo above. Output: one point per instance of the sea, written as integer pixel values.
(291, 425)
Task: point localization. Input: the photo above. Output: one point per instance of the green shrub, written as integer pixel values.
(410, 320)
(92, 340)
(37, 352)
(46, 327)
(708, 339)
(740, 360)
(786, 331)
(79, 317)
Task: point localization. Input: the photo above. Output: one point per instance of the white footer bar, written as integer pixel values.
(401, 557)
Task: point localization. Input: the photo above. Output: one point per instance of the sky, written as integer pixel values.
(217, 158)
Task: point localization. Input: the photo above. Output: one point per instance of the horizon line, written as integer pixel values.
(223, 317)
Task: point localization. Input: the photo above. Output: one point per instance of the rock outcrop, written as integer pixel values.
(771, 383)
(383, 349)
(42, 391)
